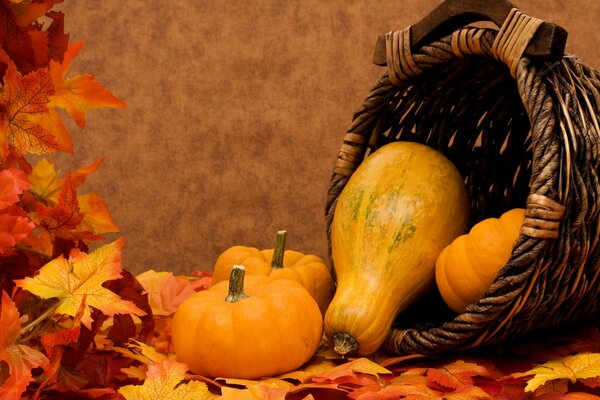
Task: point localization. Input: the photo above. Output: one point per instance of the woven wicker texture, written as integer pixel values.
(523, 133)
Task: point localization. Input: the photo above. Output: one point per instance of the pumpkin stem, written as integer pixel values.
(278, 252)
(344, 343)
(236, 284)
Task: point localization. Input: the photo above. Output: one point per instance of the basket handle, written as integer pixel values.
(549, 41)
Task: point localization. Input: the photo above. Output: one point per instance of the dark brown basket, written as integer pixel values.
(523, 132)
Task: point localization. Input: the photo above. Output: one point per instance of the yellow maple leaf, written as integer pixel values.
(80, 279)
(164, 381)
(572, 368)
(45, 180)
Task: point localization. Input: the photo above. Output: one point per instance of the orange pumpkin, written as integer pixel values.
(467, 267)
(257, 328)
(308, 270)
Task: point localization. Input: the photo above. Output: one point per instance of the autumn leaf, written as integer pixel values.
(573, 368)
(78, 94)
(13, 183)
(13, 228)
(456, 374)
(165, 291)
(16, 41)
(27, 13)
(24, 111)
(96, 216)
(64, 216)
(93, 215)
(164, 382)
(255, 392)
(21, 359)
(82, 277)
(54, 345)
(46, 182)
(308, 371)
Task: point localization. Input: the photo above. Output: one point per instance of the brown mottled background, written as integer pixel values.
(236, 112)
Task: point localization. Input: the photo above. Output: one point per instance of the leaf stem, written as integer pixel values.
(27, 249)
(279, 251)
(39, 319)
(236, 284)
(46, 200)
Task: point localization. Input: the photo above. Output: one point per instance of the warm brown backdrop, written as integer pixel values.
(236, 112)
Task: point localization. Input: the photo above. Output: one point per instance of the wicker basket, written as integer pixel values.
(523, 132)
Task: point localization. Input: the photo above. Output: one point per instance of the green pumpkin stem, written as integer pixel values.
(236, 284)
(344, 343)
(278, 252)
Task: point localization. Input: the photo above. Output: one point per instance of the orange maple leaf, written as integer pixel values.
(79, 279)
(21, 359)
(456, 374)
(25, 119)
(164, 381)
(96, 216)
(78, 94)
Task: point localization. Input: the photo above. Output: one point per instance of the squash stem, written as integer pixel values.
(344, 343)
(278, 252)
(236, 284)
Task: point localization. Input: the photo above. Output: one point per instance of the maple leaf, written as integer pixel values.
(164, 382)
(24, 111)
(13, 183)
(13, 228)
(16, 41)
(80, 93)
(80, 278)
(96, 216)
(54, 345)
(65, 215)
(58, 40)
(254, 392)
(27, 13)
(309, 370)
(456, 374)
(93, 215)
(572, 368)
(165, 291)
(21, 359)
(46, 183)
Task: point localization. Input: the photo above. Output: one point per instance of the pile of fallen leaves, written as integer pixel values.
(75, 325)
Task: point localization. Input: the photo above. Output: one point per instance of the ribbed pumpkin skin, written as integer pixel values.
(307, 269)
(273, 331)
(399, 209)
(467, 267)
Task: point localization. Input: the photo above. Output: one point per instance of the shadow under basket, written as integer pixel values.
(523, 133)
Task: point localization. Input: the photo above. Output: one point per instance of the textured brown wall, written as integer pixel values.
(236, 112)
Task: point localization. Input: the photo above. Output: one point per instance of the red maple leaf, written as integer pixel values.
(14, 226)
(13, 183)
(65, 215)
(16, 40)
